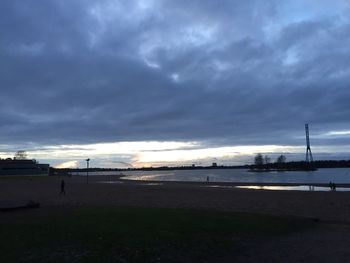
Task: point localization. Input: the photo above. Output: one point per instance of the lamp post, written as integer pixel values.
(87, 170)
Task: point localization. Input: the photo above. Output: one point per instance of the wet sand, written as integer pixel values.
(325, 206)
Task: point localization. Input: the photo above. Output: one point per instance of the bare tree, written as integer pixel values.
(267, 159)
(20, 155)
(281, 159)
(259, 159)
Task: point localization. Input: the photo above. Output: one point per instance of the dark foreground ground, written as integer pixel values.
(171, 222)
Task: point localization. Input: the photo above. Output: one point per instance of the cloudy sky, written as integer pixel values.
(155, 82)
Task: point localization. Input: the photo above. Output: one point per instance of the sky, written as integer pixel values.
(172, 82)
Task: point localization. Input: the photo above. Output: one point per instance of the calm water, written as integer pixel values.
(294, 188)
(337, 175)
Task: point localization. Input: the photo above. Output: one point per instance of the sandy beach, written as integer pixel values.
(331, 210)
(325, 206)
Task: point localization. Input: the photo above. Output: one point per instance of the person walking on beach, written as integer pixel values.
(63, 191)
(207, 179)
(332, 186)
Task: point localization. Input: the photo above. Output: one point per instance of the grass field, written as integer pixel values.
(114, 234)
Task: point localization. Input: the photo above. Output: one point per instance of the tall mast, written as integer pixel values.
(308, 158)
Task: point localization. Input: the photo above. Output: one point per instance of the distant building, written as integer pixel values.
(214, 165)
(22, 167)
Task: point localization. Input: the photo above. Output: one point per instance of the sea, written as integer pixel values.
(320, 176)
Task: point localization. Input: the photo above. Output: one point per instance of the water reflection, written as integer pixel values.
(110, 182)
(292, 188)
(321, 176)
(152, 184)
(149, 177)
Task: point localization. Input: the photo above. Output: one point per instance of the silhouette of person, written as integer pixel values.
(63, 191)
(334, 187)
(207, 179)
(330, 185)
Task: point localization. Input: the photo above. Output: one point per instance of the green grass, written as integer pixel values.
(135, 235)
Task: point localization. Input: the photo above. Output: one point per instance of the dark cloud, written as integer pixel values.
(87, 72)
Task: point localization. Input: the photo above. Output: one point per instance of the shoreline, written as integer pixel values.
(122, 179)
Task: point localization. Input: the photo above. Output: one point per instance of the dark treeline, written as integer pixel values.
(162, 168)
(301, 165)
(332, 164)
(286, 166)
